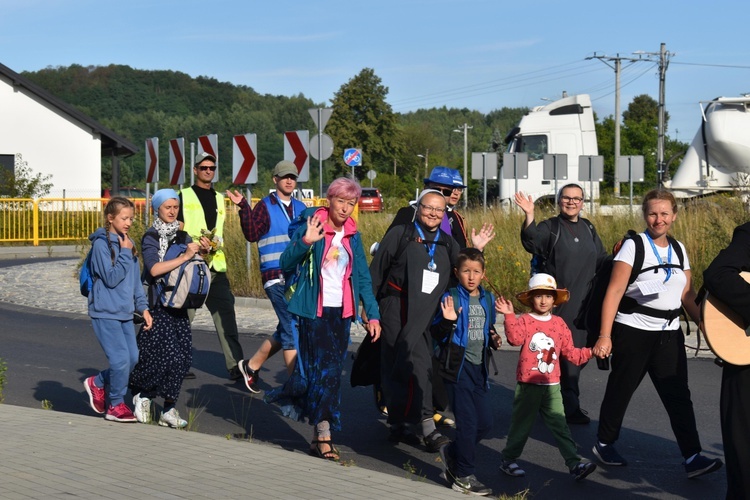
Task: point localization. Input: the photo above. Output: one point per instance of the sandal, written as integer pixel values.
(330, 452)
(441, 419)
(511, 468)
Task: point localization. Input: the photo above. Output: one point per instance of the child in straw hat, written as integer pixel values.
(543, 338)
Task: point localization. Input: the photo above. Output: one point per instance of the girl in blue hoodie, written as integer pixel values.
(116, 294)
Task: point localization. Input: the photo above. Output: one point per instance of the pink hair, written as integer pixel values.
(344, 188)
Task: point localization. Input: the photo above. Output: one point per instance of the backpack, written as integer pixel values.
(86, 273)
(590, 314)
(186, 286)
(540, 263)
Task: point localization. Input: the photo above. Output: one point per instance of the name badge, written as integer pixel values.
(429, 281)
(651, 287)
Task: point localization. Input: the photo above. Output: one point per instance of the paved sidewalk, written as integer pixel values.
(49, 454)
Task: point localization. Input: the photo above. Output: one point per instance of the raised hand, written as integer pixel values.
(315, 230)
(236, 197)
(449, 309)
(525, 202)
(485, 235)
(503, 306)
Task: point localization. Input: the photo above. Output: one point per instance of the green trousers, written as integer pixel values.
(529, 400)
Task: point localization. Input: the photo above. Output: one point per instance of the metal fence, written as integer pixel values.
(25, 220)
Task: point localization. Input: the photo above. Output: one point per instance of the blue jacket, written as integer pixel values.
(306, 300)
(453, 337)
(117, 290)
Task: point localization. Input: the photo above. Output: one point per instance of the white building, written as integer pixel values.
(55, 138)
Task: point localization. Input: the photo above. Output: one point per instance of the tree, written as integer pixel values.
(22, 183)
(363, 119)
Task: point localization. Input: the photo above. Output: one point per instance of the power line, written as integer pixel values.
(713, 65)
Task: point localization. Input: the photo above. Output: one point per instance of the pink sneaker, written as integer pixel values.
(120, 413)
(96, 395)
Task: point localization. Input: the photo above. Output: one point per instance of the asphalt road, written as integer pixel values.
(48, 354)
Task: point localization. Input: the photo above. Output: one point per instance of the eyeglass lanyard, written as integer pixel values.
(430, 248)
(667, 270)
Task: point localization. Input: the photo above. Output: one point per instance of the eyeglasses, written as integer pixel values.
(204, 168)
(575, 199)
(428, 209)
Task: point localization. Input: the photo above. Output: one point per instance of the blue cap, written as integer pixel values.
(442, 176)
(161, 196)
(458, 181)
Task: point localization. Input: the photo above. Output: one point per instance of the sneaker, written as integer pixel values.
(470, 485)
(578, 417)
(142, 409)
(172, 419)
(608, 455)
(96, 395)
(434, 441)
(250, 376)
(234, 373)
(448, 464)
(120, 413)
(511, 468)
(701, 465)
(582, 469)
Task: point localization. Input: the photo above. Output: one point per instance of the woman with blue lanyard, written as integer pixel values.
(641, 330)
(410, 272)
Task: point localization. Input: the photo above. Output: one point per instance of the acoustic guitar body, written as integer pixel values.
(724, 330)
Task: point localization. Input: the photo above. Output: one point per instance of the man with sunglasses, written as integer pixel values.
(201, 207)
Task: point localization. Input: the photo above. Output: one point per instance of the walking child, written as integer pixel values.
(465, 329)
(116, 294)
(544, 339)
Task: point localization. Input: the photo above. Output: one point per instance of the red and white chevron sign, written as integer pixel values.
(152, 159)
(295, 150)
(244, 159)
(176, 161)
(210, 144)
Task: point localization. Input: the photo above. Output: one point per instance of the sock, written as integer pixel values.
(428, 426)
(323, 430)
(168, 405)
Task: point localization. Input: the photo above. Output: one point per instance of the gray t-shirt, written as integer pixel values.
(475, 343)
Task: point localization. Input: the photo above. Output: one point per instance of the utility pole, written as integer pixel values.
(465, 128)
(661, 169)
(616, 64)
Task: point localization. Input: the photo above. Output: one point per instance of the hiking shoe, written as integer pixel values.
(470, 485)
(234, 373)
(172, 419)
(120, 413)
(142, 409)
(380, 400)
(96, 395)
(608, 455)
(701, 465)
(434, 440)
(578, 417)
(511, 468)
(448, 463)
(250, 376)
(403, 433)
(582, 469)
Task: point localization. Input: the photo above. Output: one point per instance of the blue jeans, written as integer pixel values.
(284, 334)
(117, 339)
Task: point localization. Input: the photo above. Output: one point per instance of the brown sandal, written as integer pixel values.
(330, 453)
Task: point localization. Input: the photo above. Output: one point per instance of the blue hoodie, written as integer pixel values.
(117, 290)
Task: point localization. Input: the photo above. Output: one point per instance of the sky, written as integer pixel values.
(476, 54)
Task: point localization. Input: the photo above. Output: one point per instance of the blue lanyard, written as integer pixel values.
(283, 208)
(430, 248)
(667, 270)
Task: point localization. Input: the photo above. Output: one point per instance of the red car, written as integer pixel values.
(371, 200)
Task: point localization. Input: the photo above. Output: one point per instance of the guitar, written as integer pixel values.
(724, 330)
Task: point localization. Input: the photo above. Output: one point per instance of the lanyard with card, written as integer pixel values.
(430, 278)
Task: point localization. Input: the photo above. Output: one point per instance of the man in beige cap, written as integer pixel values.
(202, 208)
(268, 224)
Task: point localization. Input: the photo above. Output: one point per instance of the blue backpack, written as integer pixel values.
(86, 273)
(186, 286)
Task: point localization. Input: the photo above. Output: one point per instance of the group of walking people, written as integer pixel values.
(424, 305)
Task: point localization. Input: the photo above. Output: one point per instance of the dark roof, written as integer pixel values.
(111, 142)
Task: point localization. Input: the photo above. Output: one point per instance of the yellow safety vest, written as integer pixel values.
(195, 220)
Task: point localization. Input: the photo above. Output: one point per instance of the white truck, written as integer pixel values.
(565, 126)
(719, 156)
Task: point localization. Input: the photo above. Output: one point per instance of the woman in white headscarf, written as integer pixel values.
(166, 349)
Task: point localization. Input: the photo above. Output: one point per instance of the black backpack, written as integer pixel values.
(590, 314)
(540, 263)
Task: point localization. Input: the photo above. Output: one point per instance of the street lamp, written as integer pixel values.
(465, 128)
(426, 157)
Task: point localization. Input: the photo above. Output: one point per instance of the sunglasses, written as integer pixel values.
(204, 168)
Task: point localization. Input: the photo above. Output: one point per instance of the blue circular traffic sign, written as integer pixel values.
(353, 157)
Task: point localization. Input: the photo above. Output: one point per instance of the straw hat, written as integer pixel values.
(542, 281)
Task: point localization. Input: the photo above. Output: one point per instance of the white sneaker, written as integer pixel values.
(142, 409)
(172, 419)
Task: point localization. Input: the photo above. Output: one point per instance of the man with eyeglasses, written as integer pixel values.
(202, 208)
(573, 252)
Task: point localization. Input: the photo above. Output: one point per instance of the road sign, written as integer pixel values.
(152, 159)
(353, 157)
(515, 166)
(630, 168)
(320, 116)
(295, 151)
(176, 161)
(210, 144)
(371, 174)
(484, 165)
(590, 168)
(327, 144)
(555, 167)
(244, 159)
